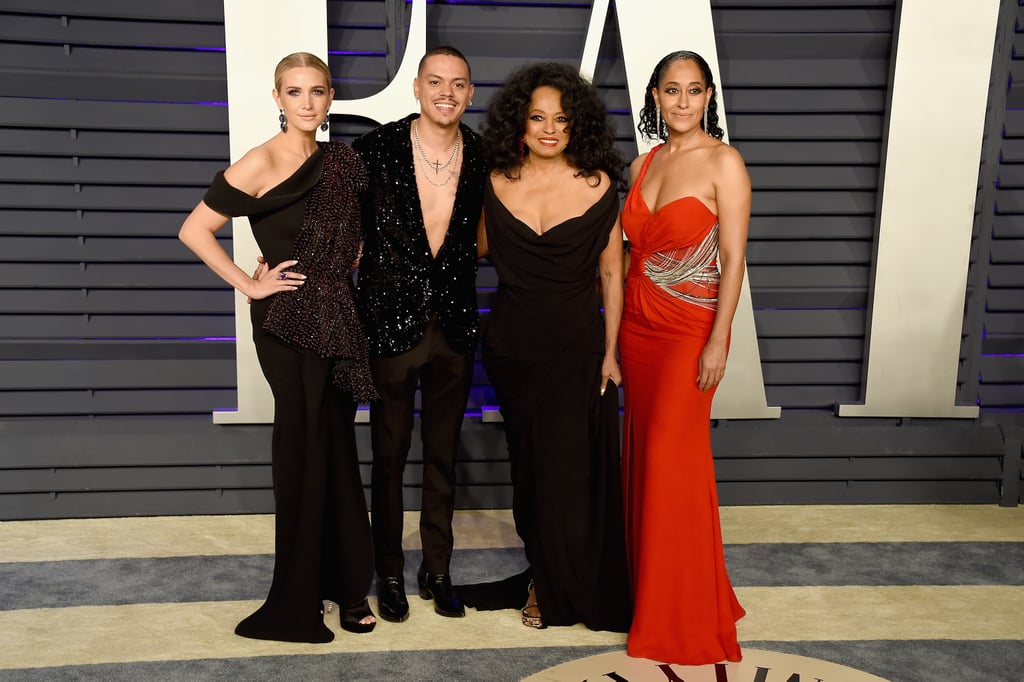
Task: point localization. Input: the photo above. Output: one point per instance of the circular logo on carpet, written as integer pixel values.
(756, 666)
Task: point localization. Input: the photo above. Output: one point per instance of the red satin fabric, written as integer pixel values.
(685, 610)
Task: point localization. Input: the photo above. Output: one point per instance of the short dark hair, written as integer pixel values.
(446, 50)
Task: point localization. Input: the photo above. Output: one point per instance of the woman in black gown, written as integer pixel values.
(301, 199)
(550, 225)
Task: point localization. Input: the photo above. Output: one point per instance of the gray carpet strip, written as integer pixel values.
(213, 578)
(899, 661)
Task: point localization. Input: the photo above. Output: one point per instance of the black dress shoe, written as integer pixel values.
(391, 599)
(439, 588)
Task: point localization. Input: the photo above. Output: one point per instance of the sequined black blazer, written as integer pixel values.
(401, 285)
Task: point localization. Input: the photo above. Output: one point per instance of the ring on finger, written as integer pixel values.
(283, 275)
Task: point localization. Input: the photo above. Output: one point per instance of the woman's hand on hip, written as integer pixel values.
(269, 281)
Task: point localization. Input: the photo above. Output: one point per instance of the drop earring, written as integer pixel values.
(704, 122)
(662, 132)
(283, 121)
(324, 125)
(522, 150)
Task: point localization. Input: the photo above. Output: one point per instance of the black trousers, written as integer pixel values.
(444, 377)
(322, 539)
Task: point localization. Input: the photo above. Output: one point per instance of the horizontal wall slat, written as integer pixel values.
(114, 301)
(803, 126)
(1005, 323)
(95, 223)
(809, 276)
(811, 349)
(140, 349)
(809, 20)
(860, 469)
(812, 397)
(803, 252)
(148, 145)
(76, 30)
(1006, 276)
(193, 275)
(786, 227)
(188, 10)
(828, 373)
(1004, 300)
(96, 250)
(116, 326)
(91, 171)
(746, 45)
(23, 112)
(806, 152)
(1003, 369)
(807, 202)
(800, 100)
(804, 73)
(832, 297)
(812, 177)
(157, 401)
(33, 375)
(790, 324)
(875, 492)
(100, 197)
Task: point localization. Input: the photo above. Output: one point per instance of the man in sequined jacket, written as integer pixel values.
(417, 298)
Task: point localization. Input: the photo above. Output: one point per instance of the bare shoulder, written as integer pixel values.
(726, 157)
(250, 171)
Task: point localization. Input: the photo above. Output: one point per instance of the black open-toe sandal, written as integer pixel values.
(351, 616)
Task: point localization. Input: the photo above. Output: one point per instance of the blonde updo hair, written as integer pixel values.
(300, 59)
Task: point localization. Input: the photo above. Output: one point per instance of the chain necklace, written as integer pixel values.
(436, 165)
(426, 176)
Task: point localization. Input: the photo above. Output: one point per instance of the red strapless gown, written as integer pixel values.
(685, 610)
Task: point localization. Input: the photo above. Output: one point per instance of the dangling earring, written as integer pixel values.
(323, 126)
(704, 122)
(283, 121)
(662, 132)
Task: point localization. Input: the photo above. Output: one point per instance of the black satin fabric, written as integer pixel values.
(401, 284)
(543, 349)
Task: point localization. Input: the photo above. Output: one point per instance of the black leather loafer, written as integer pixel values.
(439, 588)
(391, 599)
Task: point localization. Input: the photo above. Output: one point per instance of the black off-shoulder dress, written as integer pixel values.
(323, 546)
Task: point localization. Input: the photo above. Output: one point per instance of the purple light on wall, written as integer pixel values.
(358, 53)
(1002, 355)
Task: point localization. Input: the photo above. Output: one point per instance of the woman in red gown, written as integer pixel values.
(686, 219)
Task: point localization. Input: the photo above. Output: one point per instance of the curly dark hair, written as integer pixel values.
(650, 127)
(591, 146)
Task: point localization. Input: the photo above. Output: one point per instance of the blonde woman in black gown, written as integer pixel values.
(301, 199)
(551, 228)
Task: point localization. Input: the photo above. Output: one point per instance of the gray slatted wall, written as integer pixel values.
(993, 356)
(112, 350)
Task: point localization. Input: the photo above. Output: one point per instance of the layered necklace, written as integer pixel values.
(436, 166)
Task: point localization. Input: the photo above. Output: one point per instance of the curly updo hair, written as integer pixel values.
(650, 127)
(591, 146)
